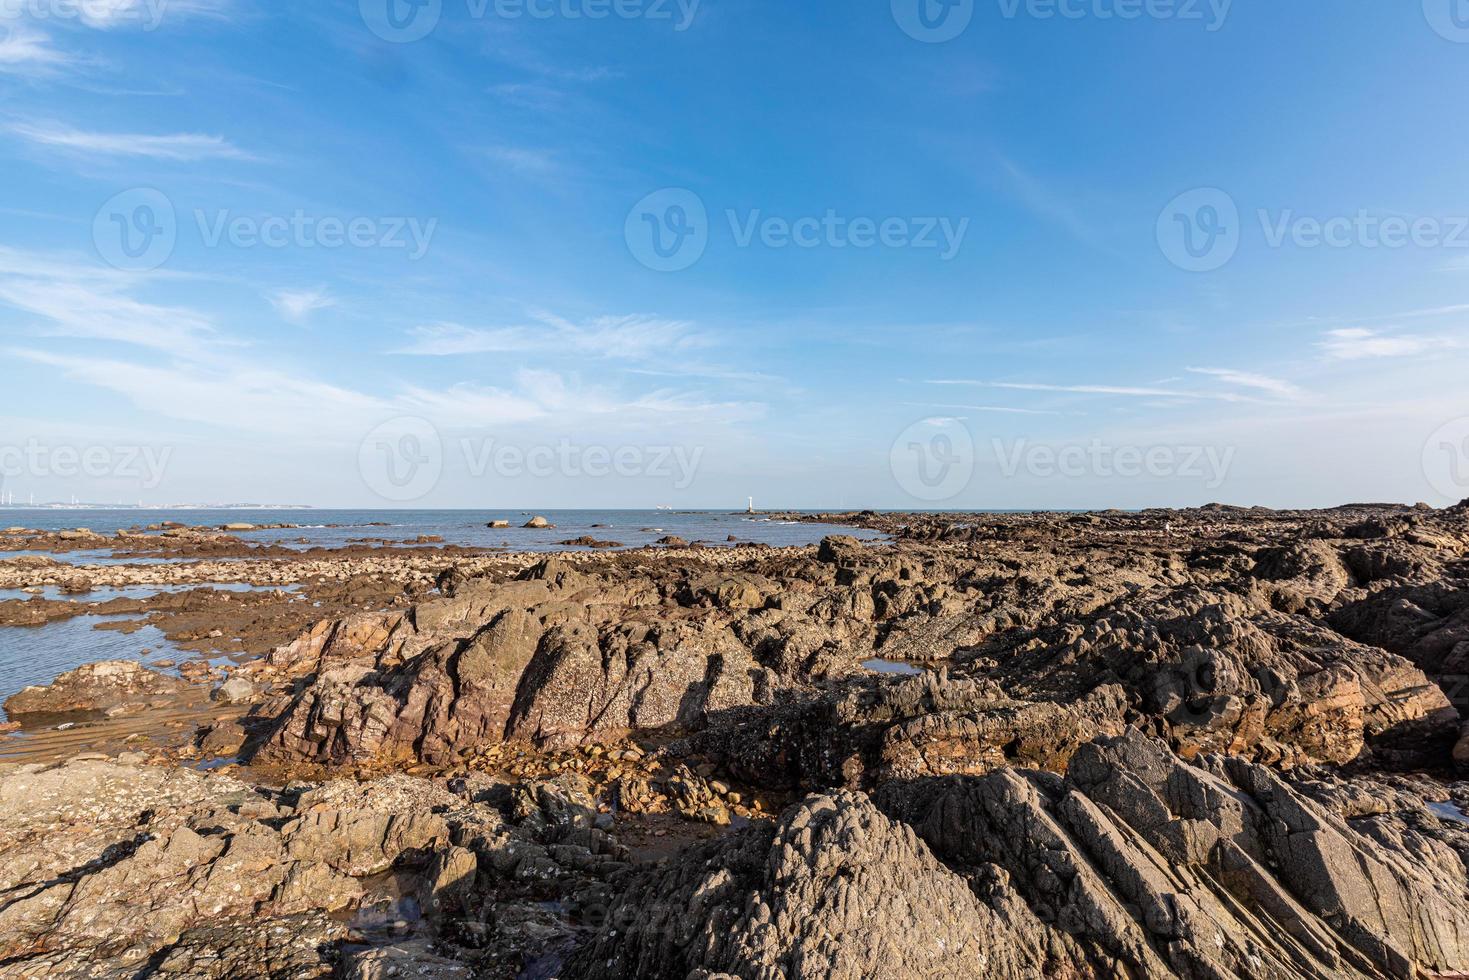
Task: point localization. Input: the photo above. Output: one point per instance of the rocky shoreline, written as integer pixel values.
(1207, 743)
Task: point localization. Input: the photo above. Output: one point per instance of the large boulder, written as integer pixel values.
(94, 688)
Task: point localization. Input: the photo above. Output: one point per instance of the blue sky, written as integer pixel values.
(296, 253)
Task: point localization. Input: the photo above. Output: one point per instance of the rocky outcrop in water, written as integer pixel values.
(92, 688)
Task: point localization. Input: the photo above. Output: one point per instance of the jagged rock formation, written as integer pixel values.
(1135, 864)
(1254, 637)
(1165, 744)
(111, 869)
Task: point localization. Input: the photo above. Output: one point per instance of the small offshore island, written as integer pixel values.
(1198, 743)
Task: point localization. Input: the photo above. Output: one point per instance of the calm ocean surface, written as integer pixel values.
(331, 528)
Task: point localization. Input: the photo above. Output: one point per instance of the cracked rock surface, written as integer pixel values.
(1199, 744)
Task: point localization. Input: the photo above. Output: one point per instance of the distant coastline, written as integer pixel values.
(151, 507)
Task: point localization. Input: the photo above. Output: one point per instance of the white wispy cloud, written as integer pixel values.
(180, 147)
(1048, 203)
(235, 397)
(1359, 343)
(195, 373)
(79, 299)
(524, 160)
(109, 15)
(996, 409)
(1259, 382)
(244, 397)
(617, 337)
(297, 305)
(25, 50)
(1116, 390)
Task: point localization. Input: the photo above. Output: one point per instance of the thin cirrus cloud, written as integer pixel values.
(995, 409)
(151, 13)
(1259, 382)
(79, 300)
(106, 15)
(1115, 390)
(523, 160)
(200, 381)
(1359, 343)
(24, 50)
(176, 147)
(253, 398)
(617, 337)
(297, 305)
